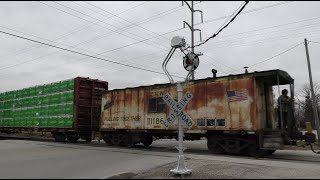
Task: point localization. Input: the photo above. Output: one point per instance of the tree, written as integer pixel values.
(305, 106)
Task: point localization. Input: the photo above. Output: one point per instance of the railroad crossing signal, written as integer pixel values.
(190, 61)
(177, 110)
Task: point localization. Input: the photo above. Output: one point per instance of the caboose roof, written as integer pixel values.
(270, 77)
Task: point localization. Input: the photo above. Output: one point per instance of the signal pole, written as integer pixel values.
(192, 28)
(314, 103)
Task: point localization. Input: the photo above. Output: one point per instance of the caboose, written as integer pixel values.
(235, 113)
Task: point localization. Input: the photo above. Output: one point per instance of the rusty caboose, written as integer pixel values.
(235, 113)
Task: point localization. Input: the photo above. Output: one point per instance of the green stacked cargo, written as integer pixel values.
(53, 108)
(49, 105)
(42, 122)
(43, 111)
(45, 100)
(68, 109)
(47, 89)
(39, 90)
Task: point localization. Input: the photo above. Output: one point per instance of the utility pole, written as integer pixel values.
(314, 105)
(192, 28)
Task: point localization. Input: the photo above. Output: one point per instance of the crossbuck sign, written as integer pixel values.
(177, 110)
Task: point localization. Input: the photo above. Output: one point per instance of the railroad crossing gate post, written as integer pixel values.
(177, 108)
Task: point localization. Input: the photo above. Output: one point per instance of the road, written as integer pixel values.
(47, 159)
(34, 159)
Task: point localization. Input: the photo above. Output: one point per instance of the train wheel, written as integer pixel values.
(72, 139)
(148, 141)
(127, 141)
(59, 137)
(253, 151)
(88, 140)
(116, 139)
(271, 151)
(107, 140)
(213, 145)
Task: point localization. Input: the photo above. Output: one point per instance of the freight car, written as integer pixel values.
(235, 113)
(68, 109)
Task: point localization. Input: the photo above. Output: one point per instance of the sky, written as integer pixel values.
(266, 35)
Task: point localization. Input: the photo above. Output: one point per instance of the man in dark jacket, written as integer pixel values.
(283, 108)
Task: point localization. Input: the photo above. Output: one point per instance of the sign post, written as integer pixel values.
(177, 107)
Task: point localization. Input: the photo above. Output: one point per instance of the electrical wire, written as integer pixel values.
(219, 62)
(115, 31)
(27, 49)
(65, 49)
(229, 18)
(32, 60)
(269, 27)
(124, 19)
(314, 42)
(268, 59)
(232, 19)
(261, 41)
(258, 35)
(245, 12)
(180, 29)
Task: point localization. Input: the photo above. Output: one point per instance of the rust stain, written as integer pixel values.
(209, 101)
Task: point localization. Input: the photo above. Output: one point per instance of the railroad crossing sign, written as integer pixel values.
(177, 110)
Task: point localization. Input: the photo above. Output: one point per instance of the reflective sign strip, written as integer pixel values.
(170, 119)
(177, 110)
(177, 107)
(186, 119)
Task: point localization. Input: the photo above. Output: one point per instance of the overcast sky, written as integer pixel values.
(131, 32)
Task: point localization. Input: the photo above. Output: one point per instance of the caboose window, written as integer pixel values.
(156, 105)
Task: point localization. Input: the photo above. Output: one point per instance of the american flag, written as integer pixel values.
(237, 95)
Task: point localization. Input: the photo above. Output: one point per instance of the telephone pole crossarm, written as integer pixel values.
(191, 27)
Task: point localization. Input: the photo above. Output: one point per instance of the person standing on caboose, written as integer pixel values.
(283, 109)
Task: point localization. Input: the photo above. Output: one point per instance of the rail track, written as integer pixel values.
(160, 146)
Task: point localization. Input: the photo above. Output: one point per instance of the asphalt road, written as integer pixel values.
(33, 159)
(47, 159)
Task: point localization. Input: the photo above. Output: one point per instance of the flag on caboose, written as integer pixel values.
(237, 95)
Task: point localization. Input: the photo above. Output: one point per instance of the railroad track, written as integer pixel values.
(163, 148)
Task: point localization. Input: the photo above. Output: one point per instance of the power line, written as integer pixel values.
(52, 41)
(214, 65)
(229, 18)
(115, 31)
(163, 13)
(26, 49)
(176, 9)
(175, 30)
(275, 55)
(245, 12)
(24, 62)
(104, 51)
(257, 35)
(256, 43)
(168, 11)
(124, 19)
(77, 60)
(215, 34)
(269, 27)
(266, 40)
(219, 62)
(314, 42)
(160, 51)
(65, 49)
